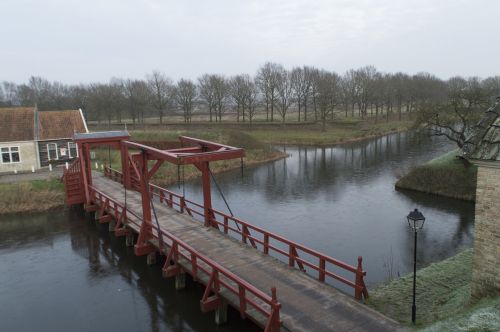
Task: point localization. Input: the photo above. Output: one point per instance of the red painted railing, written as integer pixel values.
(268, 242)
(220, 280)
(113, 174)
(72, 183)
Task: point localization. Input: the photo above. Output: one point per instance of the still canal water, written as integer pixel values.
(58, 271)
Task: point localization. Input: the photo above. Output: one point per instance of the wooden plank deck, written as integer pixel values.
(307, 304)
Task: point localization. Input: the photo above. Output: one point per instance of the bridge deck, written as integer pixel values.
(307, 305)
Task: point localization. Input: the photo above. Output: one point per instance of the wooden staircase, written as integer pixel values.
(73, 184)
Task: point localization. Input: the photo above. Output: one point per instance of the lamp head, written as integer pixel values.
(416, 220)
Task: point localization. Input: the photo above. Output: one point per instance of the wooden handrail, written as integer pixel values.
(244, 231)
(182, 249)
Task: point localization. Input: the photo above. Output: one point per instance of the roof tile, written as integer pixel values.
(17, 124)
(59, 124)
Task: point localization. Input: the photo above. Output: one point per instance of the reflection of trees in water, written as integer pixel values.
(107, 255)
(311, 171)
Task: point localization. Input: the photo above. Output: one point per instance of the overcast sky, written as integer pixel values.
(93, 40)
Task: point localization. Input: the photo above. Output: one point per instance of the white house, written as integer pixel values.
(30, 139)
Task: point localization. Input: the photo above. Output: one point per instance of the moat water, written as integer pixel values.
(60, 271)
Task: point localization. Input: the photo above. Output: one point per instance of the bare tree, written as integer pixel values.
(185, 95)
(252, 98)
(350, 90)
(97, 98)
(56, 96)
(491, 86)
(267, 80)
(10, 91)
(371, 92)
(137, 96)
(364, 78)
(161, 90)
(456, 116)
(3, 101)
(214, 92)
(221, 93)
(238, 91)
(207, 94)
(379, 93)
(328, 96)
(285, 92)
(314, 74)
(302, 80)
(117, 95)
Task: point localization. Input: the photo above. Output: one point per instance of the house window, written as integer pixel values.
(10, 155)
(52, 151)
(73, 151)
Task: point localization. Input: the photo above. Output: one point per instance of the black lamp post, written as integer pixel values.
(416, 222)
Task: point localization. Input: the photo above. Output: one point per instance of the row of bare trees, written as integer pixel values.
(275, 92)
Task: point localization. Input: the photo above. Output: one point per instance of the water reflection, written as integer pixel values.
(341, 200)
(67, 273)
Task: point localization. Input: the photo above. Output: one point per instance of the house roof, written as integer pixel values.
(102, 135)
(484, 142)
(60, 124)
(17, 124)
(28, 124)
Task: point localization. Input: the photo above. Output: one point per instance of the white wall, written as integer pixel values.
(28, 156)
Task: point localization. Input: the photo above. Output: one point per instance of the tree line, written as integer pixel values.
(274, 92)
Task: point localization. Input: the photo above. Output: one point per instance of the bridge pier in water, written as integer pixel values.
(180, 281)
(269, 279)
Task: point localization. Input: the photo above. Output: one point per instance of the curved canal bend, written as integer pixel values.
(66, 273)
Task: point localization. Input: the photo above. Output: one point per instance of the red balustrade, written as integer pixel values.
(220, 280)
(267, 242)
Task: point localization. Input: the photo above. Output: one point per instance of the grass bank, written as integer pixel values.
(443, 298)
(31, 196)
(340, 131)
(446, 176)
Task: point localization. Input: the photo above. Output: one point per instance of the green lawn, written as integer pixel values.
(336, 132)
(31, 196)
(446, 175)
(443, 298)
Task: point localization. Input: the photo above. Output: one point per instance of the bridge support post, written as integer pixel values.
(151, 258)
(143, 247)
(180, 281)
(204, 167)
(129, 239)
(111, 226)
(221, 313)
(125, 166)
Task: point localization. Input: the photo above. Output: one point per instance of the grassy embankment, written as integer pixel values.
(255, 139)
(42, 195)
(339, 131)
(31, 196)
(443, 298)
(446, 175)
(256, 152)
